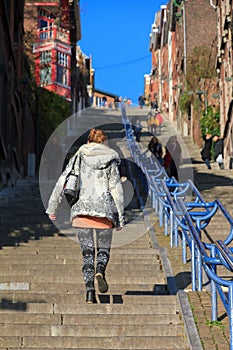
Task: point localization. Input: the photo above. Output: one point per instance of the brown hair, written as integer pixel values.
(97, 135)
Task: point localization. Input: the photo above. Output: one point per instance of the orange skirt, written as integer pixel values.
(86, 221)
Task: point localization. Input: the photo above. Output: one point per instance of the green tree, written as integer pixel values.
(52, 111)
(209, 122)
(177, 2)
(186, 99)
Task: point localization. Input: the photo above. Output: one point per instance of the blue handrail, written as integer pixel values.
(189, 217)
(217, 283)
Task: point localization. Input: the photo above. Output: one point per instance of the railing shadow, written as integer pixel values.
(6, 304)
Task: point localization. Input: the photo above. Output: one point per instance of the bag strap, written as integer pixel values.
(73, 165)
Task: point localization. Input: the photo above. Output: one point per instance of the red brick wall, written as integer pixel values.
(201, 24)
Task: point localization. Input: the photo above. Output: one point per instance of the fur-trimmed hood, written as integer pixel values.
(98, 155)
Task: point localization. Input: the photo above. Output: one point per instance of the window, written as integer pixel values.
(62, 59)
(45, 14)
(43, 29)
(45, 24)
(45, 57)
(62, 71)
(62, 75)
(45, 75)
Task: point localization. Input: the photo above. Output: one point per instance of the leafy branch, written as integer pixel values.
(209, 122)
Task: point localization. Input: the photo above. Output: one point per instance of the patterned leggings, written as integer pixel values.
(87, 244)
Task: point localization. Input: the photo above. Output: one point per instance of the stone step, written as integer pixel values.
(99, 331)
(113, 266)
(128, 319)
(65, 253)
(78, 278)
(52, 255)
(110, 343)
(14, 300)
(27, 348)
(75, 265)
(71, 288)
(41, 250)
(6, 246)
(23, 260)
(35, 259)
(114, 260)
(119, 309)
(69, 319)
(112, 269)
(115, 309)
(75, 245)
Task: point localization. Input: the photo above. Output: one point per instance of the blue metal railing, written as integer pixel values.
(209, 264)
(181, 207)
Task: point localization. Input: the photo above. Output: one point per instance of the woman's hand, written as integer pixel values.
(52, 217)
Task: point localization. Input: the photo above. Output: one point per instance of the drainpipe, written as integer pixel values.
(211, 3)
(185, 46)
(160, 79)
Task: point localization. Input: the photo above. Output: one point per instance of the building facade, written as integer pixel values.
(52, 52)
(224, 10)
(175, 41)
(54, 29)
(98, 96)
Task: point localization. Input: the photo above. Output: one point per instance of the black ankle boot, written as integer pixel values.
(90, 297)
(102, 283)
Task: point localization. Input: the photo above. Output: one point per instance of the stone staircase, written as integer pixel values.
(43, 296)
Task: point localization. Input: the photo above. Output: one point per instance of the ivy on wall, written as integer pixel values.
(209, 122)
(186, 99)
(200, 65)
(48, 108)
(52, 111)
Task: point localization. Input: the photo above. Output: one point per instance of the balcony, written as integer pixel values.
(63, 35)
(53, 33)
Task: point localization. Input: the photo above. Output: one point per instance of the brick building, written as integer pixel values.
(155, 46)
(17, 125)
(224, 12)
(147, 88)
(177, 34)
(52, 52)
(188, 33)
(54, 29)
(98, 96)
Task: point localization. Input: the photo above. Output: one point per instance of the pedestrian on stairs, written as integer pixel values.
(100, 206)
(137, 128)
(206, 150)
(218, 150)
(173, 147)
(156, 149)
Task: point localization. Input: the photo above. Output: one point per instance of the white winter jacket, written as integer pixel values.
(101, 192)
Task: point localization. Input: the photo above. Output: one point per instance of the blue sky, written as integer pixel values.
(116, 34)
